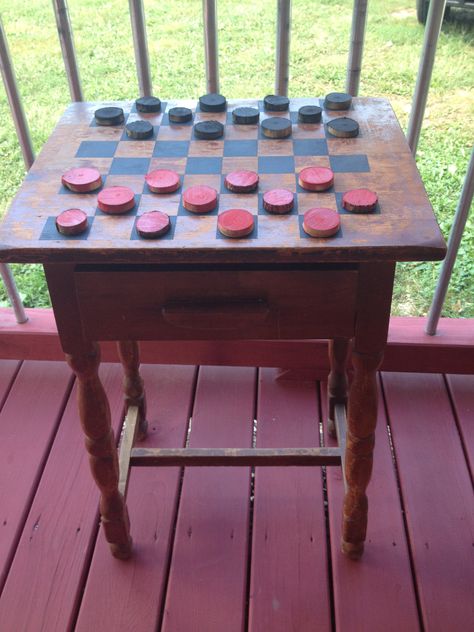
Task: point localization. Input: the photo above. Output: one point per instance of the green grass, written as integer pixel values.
(320, 35)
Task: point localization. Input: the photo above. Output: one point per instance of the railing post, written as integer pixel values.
(12, 292)
(24, 139)
(209, 10)
(140, 45)
(457, 229)
(356, 47)
(14, 100)
(420, 96)
(283, 47)
(63, 25)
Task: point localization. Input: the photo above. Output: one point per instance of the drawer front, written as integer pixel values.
(209, 305)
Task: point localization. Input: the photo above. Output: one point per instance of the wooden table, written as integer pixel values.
(193, 284)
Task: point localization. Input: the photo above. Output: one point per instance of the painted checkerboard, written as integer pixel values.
(377, 159)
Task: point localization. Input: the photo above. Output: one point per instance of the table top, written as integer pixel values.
(402, 227)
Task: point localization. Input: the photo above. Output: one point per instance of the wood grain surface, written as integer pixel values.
(403, 229)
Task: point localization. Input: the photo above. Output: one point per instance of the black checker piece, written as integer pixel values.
(245, 116)
(148, 104)
(109, 116)
(212, 102)
(343, 127)
(276, 127)
(208, 130)
(309, 114)
(139, 130)
(276, 103)
(337, 101)
(180, 115)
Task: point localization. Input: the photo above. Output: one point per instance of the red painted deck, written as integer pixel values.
(223, 550)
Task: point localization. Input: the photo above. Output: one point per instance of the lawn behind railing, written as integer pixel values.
(318, 58)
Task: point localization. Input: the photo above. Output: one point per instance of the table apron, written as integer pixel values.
(210, 305)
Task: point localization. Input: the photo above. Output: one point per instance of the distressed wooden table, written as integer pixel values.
(277, 283)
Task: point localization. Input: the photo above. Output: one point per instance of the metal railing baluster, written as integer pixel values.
(356, 47)
(24, 139)
(140, 45)
(66, 40)
(283, 47)
(420, 96)
(12, 292)
(455, 236)
(209, 10)
(14, 100)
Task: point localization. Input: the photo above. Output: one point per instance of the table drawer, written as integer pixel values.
(203, 304)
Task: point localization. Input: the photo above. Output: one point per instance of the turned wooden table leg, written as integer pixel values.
(360, 441)
(372, 319)
(94, 414)
(132, 382)
(337, 380)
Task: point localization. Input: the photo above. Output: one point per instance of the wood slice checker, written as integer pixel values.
(180, 232)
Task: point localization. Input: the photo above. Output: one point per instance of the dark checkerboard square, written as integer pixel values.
(51, 232)
(262, 211)
(310, 147)
(343, 211)
(125, 136)
(305, 235)
(356, 163)
(183, 211)
(129, 166)
(169, 235)
(276, 164)
(97, 149)
(234, 148)
(203, 165)
(252, 235)
(132, 211)
(171, 148)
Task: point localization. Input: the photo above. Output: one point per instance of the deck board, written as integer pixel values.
(377, 592)
(8, 370)
(212, 526)
(461, 389)
(289, 579)
(53, 551)
(437, 496)
(28, 422)
(63, 578)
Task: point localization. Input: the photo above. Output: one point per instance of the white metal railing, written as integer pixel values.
(356, 44)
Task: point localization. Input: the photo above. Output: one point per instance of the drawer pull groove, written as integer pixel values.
(215, 313)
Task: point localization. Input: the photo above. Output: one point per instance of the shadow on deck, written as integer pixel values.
(226, 549)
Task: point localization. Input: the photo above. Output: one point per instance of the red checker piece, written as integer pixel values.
(82, 179)
(321, 222)
(278, 201)
(316, 178)
(200, 199)
(241, 181)
(235, 222)
(359, 200)
(116, 200)
(72, 221)
(153, 224)
(162, 181)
